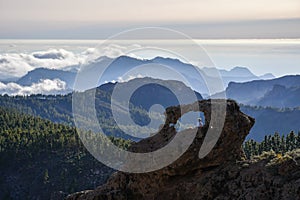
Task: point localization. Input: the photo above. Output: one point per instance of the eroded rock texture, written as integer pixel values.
(222, 174)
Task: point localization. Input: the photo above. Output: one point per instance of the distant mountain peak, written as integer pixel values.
(36, 75)
(267, 92)
(160, 58)
(238, 71)
(101, 58)
(267, 76)
(239, 68)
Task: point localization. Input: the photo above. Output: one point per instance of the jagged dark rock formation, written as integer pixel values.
(222, 174)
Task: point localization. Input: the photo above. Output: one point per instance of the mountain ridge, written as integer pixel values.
(251, 92)
(61, 109)
(122, 64)
(38, 74)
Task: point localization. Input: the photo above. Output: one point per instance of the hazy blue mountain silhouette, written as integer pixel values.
(156, 91)
(238, 74)
(59, 108)
(156, 68)
(38, 74)
(267, 76)
(281, 97)
(259, 92)
(196, 78)
(270, 120)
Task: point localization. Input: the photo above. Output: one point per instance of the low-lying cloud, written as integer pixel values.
(15, 65)
(129, 77)
(46, 87)
(60, 54)
(18, 64)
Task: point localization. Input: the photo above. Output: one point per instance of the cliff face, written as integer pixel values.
(222, 174)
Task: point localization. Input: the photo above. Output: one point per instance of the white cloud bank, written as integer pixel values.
(46, 86)
(15, 65)
(129, 78)
(18, 64)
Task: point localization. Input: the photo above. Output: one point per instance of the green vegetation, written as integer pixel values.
(278, 144)
(41, 153)
(39, 157)
(58, 109)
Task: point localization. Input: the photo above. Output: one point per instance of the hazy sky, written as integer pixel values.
(198, 18)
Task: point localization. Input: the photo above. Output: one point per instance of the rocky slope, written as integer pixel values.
(223, 174)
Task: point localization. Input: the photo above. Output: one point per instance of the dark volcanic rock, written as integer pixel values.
(222, 174)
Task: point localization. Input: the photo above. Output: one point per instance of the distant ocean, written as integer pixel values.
(277, 56)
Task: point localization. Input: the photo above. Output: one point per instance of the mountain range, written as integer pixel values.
(58, 108)
(238, 74)
(273, 100)
(279, 92)
(281, 97)
(272, 120)
(38, 74)
(156, 68)
(40, 159)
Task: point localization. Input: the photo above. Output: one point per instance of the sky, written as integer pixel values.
(98, 19)
(277, 56)
(262, 35)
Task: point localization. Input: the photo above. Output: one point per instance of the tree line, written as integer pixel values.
(280, 144)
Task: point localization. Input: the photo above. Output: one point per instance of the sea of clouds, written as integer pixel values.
(15, 65)
(46, 86)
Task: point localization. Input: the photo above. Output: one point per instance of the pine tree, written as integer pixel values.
(277, 141)
(46, 177)
(291, 141)
(298, 140)
(283, 145)
(274, 142)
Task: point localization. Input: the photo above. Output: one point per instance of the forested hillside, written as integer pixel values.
(58, 108)
(38, 158)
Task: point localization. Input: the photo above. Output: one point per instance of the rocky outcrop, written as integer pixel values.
(223, 173)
